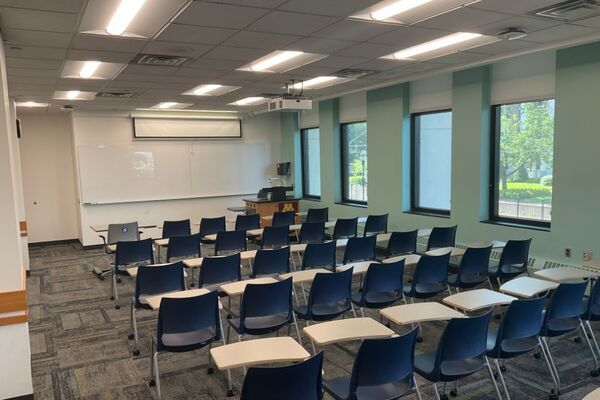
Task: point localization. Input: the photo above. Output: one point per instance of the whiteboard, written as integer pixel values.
(181, 128)
(145, 171)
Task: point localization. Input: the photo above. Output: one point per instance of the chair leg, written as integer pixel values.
(156, 374)
(502, 379)
(209, 369)
(416, 388)
(297, 329)
(556, 385)
(552, 364)
(303, 293)
(222, 331)
(435, 390)
(352, 308)
(589, 325)
(136, 351)
(228, 333)
(487, 362)
(587, 339)
(490, 283)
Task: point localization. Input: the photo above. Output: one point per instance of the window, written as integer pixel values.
(354, 162)
(522, 156)
(431, 162)
(311, 163)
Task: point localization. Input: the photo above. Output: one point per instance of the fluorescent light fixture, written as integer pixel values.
(248, 101)
(210, 89)
(396, 8)
(125, 13)
(204, 89)
(320, 82)
(30, 104)
(89, 67)
(169, 105)
(72, 94)
(278, 58)
(166, 104)
(446, 41)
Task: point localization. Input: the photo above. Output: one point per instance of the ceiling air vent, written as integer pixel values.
(569, 11)
(116, 95)
(159, 60)
(353, 73)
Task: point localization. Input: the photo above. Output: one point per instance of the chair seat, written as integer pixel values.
(339, 389)
(449, 370)
(557, 327)
(467, 280)
(376, 299)
(509, 348)
(508, 271)
(424, 290)
(322, 312)
(595, 311)
(260, 325)
(180, 342)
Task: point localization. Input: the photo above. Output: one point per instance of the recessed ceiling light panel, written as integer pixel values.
(210, 89)
(91, 69)
(250, 101)
(408, 11)
(30, 104)
(320, 82)
(281, 61)
(171, 105)
(73, 95)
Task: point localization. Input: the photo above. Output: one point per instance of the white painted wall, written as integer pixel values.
(48, 176)
(102, 128)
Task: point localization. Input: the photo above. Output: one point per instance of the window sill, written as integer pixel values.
(427, 214)
(517, 225)
(316, 199)
(359, 205)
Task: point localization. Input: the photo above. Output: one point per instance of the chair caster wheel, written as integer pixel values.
(577, 340)
(229, 393)
(192, 284)
(101, 277)
(117, 307)
(496, 376)
(497, 316)
(594, 373)
(136, 352)
(553, 397)
(112, 298)
(453, 393)
(229, 316)
(152, 383)
(131, 336)
(118, 280)
(537, 356)
(419, 340)
(444, 397)
(210, 371)
(502, 368)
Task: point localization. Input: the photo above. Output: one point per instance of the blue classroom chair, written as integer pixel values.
(301, 381)
(312, 232)
(513, 261)
(247, 222)
(319, 255)
(152, 280)
(130, 254)
(211, 226)
(430, 277)
(383, 369)
(185, 324)
(271, 262)
(360, 249)
(317, 215)
(461, 352)
(176, 228)
(345, 228)
(230, 242)
(275, 237)
(382, 286)
(127, 232)
(441, 236)
(181, 247)
(376, 224)
(216, 271)
(591, 313)
(401, 243)
(281, 218)
(330, 296)
(473, 269)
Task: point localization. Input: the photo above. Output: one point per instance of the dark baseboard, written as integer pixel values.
(52, 242)
(93, 247)
(24, 397)
(28, 273)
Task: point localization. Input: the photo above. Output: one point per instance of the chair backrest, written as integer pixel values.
(402, 243)
(183, 246)
(137, 252)
(566, 301)
(127, 232)
(331, 288)
(431, 270)
(301, 381)
(319, 255)
(376, 224)
(593, 305)
(210, 226)
(261, 300)
(522, 319)
(281, 218)
(176, 228)
(312, 232)
(462, 339)
(230, 241)
(246, 222)
(275, 236)
(475, 261)
(156, 279)
(383, 361)
(271, 261)
(360, 249)
(220, 269)
(383, 278)
(345, 228)
(189, 315)
(317, 215)
(442, 236)
(516, 252)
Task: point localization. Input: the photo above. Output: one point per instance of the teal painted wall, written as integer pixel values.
(576, 214)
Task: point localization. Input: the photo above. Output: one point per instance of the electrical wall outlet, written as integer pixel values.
(568, 251)
(587, 255)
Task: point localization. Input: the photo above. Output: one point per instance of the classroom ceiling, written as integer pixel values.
(44, 39)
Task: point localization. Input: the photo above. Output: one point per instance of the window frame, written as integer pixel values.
(306, 195)
(414, 162)
(343, 170)
(493, 194)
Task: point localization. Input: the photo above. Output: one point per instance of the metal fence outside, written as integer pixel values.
(526, 208)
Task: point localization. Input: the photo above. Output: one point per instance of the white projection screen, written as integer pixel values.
(186, 128)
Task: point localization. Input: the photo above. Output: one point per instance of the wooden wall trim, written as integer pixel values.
(15, 319)
(23, 228)
(14, 301)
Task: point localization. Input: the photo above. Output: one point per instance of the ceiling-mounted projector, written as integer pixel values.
(291, 100)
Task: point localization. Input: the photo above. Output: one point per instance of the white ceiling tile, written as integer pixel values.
(15, 80)
(291, 23)
(38, 38)
(367, 50)
(35, 52)
(33, 63)
(561, 32)
(524, 23)
(149, 70)
(32, 72)
(105, 56)
(593, 22)
(176, 49)
(462, 20)
(461, 57)
(104, 43)
(260, 40)
(328, 7)
(506, 46)
(338, 62)
(380, 64)
(514, 6)
(195, 34)
(408, 36)
(17, 18)
(79, 84)
(358, 31)
(219, 15)
(254, 3)
(198, 73)
(218, 64)
(319, 46)
(310, 70)
(65, 6)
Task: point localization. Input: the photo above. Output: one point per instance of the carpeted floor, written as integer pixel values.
(80, 348)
